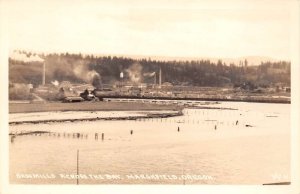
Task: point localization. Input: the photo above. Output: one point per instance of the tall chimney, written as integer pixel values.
(159, 77)
(44, 73)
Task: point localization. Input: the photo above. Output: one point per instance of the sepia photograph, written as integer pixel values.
(150, 93)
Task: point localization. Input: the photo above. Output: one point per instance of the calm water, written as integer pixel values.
(211, 147)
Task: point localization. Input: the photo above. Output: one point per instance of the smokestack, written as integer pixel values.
(44, 73)
(159, 77)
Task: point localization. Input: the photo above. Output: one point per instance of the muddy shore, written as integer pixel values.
(162, 114)
(87, 106)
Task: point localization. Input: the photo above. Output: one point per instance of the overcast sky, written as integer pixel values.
(182, 29)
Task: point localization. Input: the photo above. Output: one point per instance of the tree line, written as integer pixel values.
(190, 73)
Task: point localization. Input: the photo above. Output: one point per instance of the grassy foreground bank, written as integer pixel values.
(86, 106)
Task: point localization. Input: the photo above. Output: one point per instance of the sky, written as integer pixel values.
(183, 28)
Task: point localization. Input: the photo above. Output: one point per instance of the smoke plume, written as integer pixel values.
(18, 56)
(90, 76)
(63, 67)
(19, 92)
(135, 72)
(97, 83)
(56, 83)
(149, 74)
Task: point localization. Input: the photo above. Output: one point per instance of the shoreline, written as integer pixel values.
(148, 115)
(112, 103)
(212, 99)
(88, 106)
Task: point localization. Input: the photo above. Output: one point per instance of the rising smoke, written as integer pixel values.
(19, 91)
(135, 73)
(149, 74)
(90, 76)
(18, 56)
(94, 78)
(55, 83)
(57, 68)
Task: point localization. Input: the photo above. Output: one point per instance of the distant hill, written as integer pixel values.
(252, 60)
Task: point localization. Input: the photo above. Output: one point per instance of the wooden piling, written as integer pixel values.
(77, 167)
(12, 139)
(131, 132)
(178, 129)
(96, 136)
(102, 136)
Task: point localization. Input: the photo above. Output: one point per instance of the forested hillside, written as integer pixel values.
(73, 67)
